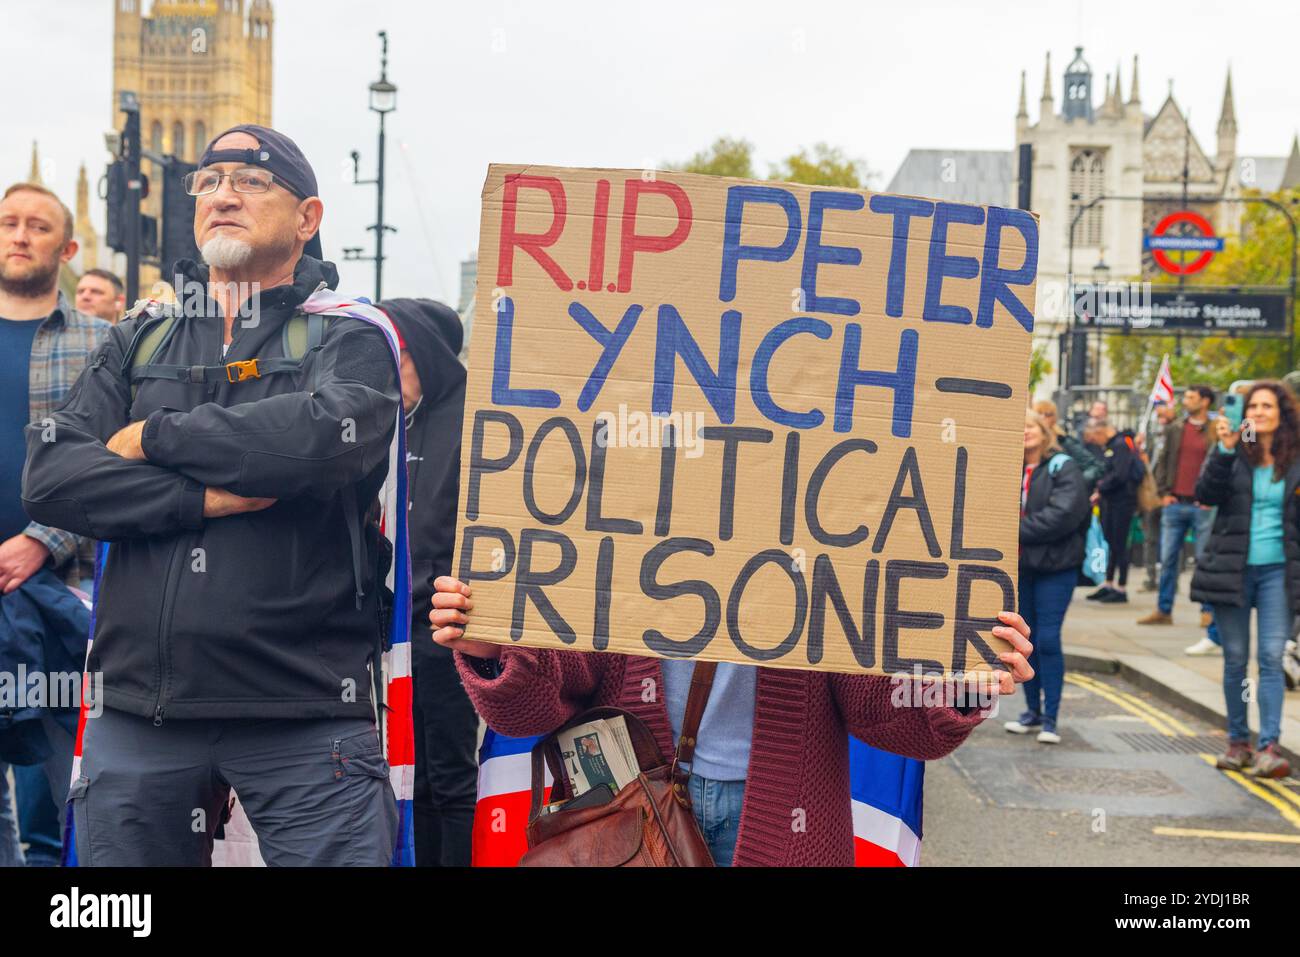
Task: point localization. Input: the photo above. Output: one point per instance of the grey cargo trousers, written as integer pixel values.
(315, 790)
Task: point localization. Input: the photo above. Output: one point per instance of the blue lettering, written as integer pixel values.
(902, 381)
(763, 358)
(942, 265)
(902, 209)
(611, 343)
(674, 339)
(732, 249)
(814, 253)
(995, 282)
(502, 394)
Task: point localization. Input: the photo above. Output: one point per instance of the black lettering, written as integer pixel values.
(478, 465)
(825, 585)
(604, 580)
(781, 560)
(896, 619)
(657, 641)
(579, 471)
(529, 583)
(731, 436)
(958, 551)
(909, 470)
(596, 489)
(966, 630)
(814, 491)
(789, 487)
(667, 472)
(470, 535)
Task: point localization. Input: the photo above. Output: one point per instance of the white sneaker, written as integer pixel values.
(1291, 666)
(1048, 737)
(1015, 727)
(1202, 648)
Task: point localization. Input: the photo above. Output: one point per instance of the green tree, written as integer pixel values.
(1039, 368)
(726, 157)
(1259, 256)
(828, 166)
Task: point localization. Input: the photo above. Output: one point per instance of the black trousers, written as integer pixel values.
(446, 766)
(1116, 519)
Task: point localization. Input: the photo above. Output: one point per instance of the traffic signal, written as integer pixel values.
(116, 198)
(177, 218)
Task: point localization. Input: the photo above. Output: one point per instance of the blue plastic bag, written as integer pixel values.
(1096, 553)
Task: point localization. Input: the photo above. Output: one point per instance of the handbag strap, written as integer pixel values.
(696, 700)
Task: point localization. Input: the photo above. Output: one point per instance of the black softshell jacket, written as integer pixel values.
(252, 615)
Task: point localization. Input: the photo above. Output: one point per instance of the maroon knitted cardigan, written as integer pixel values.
(799, 756)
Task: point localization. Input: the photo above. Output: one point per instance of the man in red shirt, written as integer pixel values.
(1186, 442)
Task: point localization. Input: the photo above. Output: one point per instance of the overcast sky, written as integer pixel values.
(619, 83)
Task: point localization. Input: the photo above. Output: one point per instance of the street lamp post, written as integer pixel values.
(383, 100)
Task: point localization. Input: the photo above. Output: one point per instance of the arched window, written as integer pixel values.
(1087, 182)
(178, 139)
(155, 137)
(200, 138)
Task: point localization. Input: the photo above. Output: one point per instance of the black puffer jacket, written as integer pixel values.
(1227, 480)
(247, 616)
(1055, 524)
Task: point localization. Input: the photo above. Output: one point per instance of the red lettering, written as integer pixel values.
(532, 243)
(596, 271)
(633, 242)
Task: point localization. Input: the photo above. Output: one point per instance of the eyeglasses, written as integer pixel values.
(247, 180)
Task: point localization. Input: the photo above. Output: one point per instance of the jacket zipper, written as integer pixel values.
(164, 623)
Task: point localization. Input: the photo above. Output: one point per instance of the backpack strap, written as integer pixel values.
(302, 334)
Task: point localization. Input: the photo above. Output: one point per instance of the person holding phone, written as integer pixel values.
(1253, 476)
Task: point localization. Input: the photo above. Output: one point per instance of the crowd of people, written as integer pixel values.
(1231, 486)
(232, 468)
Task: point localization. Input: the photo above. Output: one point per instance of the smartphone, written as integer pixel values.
(1233, 409)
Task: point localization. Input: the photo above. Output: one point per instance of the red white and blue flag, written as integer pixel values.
(399, 738)
(1163, 388)
(886, 793)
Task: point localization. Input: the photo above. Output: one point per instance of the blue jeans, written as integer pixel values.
(40, 818)
(1263, 588)
(11, 854)
(1044, 597)
(717, 807)
(1175, 520)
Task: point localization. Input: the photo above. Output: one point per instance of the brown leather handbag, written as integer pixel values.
(649, 822)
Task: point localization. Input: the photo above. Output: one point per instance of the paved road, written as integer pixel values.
(1132, 782)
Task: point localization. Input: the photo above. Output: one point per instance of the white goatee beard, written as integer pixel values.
(223, 252)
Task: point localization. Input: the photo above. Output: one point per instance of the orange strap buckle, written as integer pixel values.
(244, 369)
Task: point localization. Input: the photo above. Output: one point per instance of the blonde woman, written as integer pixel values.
(1054, 515)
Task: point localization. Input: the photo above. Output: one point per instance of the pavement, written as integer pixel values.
(1133, 780)
(1106, 639)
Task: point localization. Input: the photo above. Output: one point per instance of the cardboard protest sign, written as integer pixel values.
(739, 421)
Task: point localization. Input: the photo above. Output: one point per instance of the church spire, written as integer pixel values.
(1228, 114)
(1133, 87)
(1119, 96)
(1046, 98)
(1291, 175)
(1023, 110)
(35, 175)
(83, 196)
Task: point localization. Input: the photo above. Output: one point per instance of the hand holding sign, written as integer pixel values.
(451, 609)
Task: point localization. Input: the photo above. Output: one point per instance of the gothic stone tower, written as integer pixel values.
(197, 66)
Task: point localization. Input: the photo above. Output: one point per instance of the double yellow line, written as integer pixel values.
(1162, 721)
(1283, 800)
